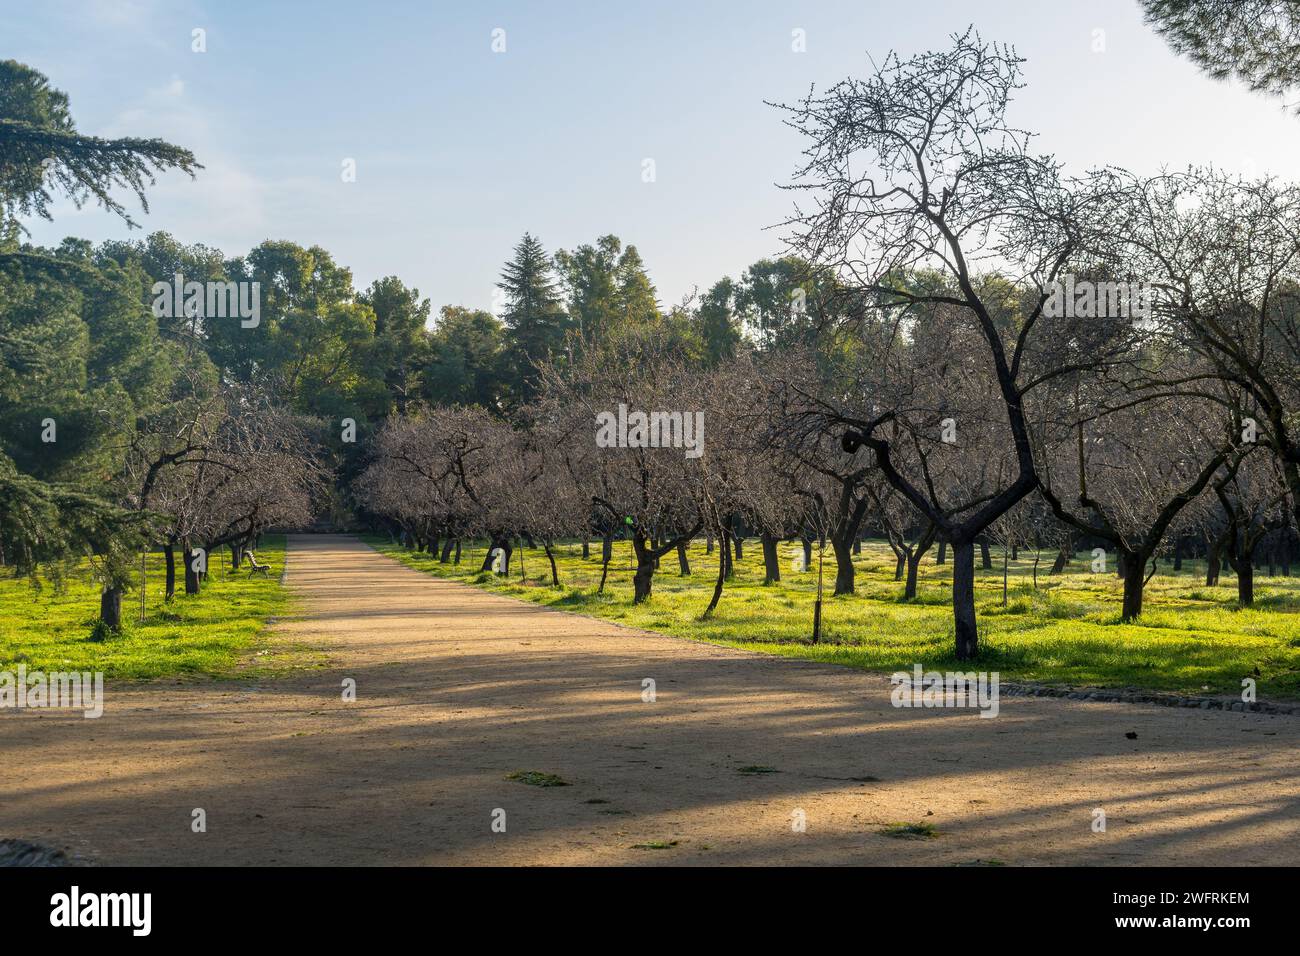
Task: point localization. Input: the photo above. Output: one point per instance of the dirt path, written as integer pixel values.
(457, 688)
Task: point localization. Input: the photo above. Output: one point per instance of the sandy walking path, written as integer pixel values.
(457, 688)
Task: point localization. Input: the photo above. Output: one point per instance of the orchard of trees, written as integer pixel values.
(962, 344)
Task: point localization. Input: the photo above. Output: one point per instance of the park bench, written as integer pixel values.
(255, 568)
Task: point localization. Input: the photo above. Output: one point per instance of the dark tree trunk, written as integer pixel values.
(900, 564)
(1062, 558)
(586, 549)
(645, 570)
(683, 562)
(446, 551)
(1134, 585)
(807, 553)
(913, 566)
(771, 562)
(191, 576)
(857, 546)
(1015, 552)
(169, 560)
(963, 600)
(507, 550)
(606, 549)
(914, 562)
(723, 564)
(1245, 582)
(110, 608)
(236, 555)
(844, 573)
(708, 543)
(738, 538)
(986, 559)
(942, 557)
(1212, 564)
(550, 556)
(1178, 554)
(456, 559)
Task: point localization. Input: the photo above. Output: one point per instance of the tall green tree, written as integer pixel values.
(535, 320)
(466, 354)
(400, 349)
(606, 285)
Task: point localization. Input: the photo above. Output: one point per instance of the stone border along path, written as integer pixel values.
(457, 689)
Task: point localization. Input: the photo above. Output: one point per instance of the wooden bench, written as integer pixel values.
(254, 567)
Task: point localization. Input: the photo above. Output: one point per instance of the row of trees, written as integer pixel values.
(997, 346)
(911, 365)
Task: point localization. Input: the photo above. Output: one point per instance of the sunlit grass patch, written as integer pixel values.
(214, 633)
(1067, 630)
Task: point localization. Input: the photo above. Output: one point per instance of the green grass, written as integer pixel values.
(218, 633)
(536, 778)
(910, 831)
(1190, 639)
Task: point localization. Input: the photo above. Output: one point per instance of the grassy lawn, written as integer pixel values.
(1191, 638)
(216, 633)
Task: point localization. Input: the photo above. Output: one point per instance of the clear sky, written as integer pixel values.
(459, 150)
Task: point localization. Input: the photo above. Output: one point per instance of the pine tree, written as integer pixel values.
(534, 316)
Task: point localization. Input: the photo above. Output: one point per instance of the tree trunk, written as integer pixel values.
(723, 564)
(1178, 554)
(550, 556)
(963, 600)
(191, 576)
(900, 564)
(1134, 585)
(942, 557)
(586, 549)
(1212, 564)
(683, 562)
(986, 559)
(913, 565)
(844, 575)
(807, 553)
(110, 608)
(606, 549)
(708, 543)
(645, 570)
(1245, 582)
(236, 555)
(506, 547)
(771, 562)
(169, 558)
(1062, 557)
(456, 559)
(446, 551)
(857, 546)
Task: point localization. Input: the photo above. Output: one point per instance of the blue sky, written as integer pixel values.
(459, 149)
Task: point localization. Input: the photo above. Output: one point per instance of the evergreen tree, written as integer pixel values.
(534, 316)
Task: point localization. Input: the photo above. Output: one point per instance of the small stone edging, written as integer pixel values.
(1110, 695)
